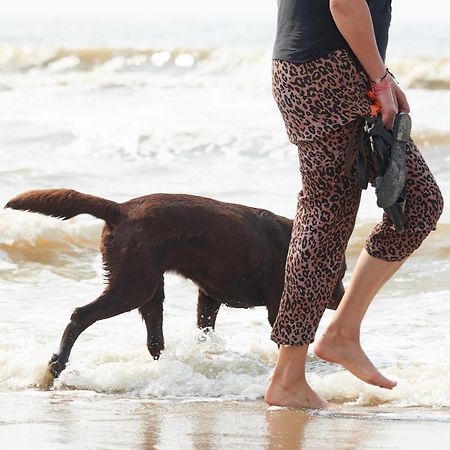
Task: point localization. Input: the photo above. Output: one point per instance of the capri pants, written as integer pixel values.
(320, 102)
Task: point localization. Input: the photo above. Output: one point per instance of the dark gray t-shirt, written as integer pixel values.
(306, 29)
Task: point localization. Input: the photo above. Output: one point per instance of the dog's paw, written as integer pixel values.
(155, 348)
(55, 367)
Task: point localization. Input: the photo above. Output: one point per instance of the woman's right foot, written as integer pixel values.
(349, 354)
(298, 396)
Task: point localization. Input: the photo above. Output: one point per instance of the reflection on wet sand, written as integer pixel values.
(67, 420)
(355, 428)
(286, 428)
(208, 426)
(296, 429)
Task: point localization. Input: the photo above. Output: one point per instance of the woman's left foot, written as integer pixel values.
(299, 395)
(349, 354)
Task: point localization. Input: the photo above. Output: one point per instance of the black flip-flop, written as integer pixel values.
(396, 213)
(390, 185)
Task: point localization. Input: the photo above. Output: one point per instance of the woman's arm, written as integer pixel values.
(352, 17)
(353, 20)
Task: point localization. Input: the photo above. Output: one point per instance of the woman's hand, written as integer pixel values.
(392, 100)
(389, 108)
(353, 19)
(400, 96)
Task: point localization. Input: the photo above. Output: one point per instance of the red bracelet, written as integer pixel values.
(380, 87)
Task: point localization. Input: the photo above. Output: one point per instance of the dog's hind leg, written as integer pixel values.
(207, 309)
(152, 313)
(134, 287)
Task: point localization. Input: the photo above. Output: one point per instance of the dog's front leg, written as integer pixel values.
(123, 295)
(152, 313)
(107, 305)
(207, 309)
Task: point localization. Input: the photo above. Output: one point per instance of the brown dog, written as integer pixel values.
(235, 254)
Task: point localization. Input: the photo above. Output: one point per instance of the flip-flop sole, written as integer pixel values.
(390, 186)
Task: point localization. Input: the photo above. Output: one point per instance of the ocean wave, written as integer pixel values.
(23, 228)
(171, 147)
(30, 242)
(413, 71)
(431, 138)
(61, 59)
(422, 72)
(168, 149)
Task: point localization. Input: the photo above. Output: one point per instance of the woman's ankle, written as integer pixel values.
(289, 379)
(342, 332)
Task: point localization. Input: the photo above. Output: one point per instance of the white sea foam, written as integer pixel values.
(113, 358)
(4, 262)
(234, 362)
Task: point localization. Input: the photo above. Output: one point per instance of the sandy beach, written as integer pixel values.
(84, 420)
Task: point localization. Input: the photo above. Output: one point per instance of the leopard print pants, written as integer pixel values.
(320, 102)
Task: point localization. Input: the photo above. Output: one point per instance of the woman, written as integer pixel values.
(328, 54)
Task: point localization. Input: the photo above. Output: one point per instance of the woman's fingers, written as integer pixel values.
(403, 104)
(389, 108)
(394, 96)
(388, 118)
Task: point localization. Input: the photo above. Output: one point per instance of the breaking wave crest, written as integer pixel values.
(414, 72)
(62, 59)
(422, 72)
(31, 242)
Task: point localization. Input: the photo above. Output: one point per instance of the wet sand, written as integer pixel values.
(85, 420)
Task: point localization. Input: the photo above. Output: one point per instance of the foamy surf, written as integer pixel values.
(191, 368)
(235, 362)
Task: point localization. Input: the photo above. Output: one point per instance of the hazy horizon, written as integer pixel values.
(403, 9)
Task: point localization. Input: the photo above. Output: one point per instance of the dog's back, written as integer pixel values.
(233, 252)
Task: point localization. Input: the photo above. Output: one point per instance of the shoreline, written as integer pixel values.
(84, 419)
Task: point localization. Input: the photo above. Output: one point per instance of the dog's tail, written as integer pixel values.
(66, 203)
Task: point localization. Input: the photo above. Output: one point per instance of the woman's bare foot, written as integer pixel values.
(296, 396)
(348, 353)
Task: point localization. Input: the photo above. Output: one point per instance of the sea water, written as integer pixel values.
(123, 107)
